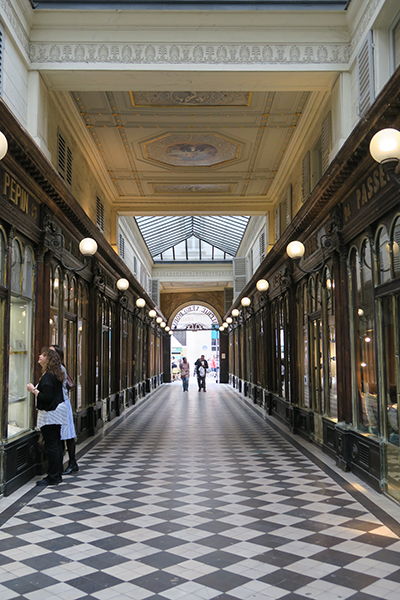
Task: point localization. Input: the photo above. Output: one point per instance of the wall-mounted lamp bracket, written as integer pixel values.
(56, 243)
(389, 167)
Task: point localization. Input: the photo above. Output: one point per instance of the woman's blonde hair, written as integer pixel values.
(53, 365)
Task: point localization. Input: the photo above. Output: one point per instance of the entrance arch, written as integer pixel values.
(195, 331)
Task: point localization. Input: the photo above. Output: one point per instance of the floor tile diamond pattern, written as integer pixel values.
(196, 497)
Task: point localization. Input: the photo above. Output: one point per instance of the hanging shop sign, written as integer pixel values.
(13, 192)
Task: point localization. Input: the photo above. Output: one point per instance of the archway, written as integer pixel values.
(195, 331)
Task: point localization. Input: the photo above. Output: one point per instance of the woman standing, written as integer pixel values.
(52, 412)
(185, 371)
(68, 432)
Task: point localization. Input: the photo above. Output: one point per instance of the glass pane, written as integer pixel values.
(27, 281)
(16, 268)
(390, 375)
(82, 347)
(19, 366)
(72, 287)
(56, 289)
(364, 337)
(305, 349)
(384, 248)
(66, 293)
(331, 330)
(396, 248)
(2, 259)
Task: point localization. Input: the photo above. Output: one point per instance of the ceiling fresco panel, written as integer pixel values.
(191, 150)
(190, 99)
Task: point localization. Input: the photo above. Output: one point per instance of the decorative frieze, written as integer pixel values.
(217, 54)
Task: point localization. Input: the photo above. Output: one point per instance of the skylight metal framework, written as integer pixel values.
(164, 233)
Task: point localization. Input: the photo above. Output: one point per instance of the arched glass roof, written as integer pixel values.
(192, 238)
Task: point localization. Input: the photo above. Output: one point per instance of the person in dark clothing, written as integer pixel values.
(201, 366)
(52, 412)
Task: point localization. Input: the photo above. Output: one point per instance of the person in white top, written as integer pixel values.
(68, 432)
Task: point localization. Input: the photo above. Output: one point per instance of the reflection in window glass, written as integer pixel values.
(364, 340)
(82, 347)
(396, 248)
(2, 259)
(28, 273)
(16, 267)
(390, 375)
(331, 346)
(54, 307)
(383, 264)
(19, 365)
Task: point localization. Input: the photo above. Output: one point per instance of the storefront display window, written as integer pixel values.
(363, 340)
(19, 407)
(82, 348)
(330, 346)
(383, 263)
(54, 306)
(70, 332)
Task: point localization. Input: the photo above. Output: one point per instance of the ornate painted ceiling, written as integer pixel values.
(193, 153)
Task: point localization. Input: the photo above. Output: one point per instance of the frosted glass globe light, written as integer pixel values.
(262, 285)
(159, 320)
(170, 332)
(385, 145)
(235, 312)
(122, 284)
(88, 247)
(229, 320)
(225, 325)
(162, 324)
(3, 145)
(140, 302)
(152, 313)
(221, 328)
(245, 301)
(167, 328)
(295, 250)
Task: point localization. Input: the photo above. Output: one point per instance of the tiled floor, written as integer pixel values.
(194, 496)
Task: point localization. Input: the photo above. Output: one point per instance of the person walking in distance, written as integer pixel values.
(201, 369)
(68, 430)
(185, 372)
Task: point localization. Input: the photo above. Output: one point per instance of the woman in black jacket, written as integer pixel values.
(52, 412)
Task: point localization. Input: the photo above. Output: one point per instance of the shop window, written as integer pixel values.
(395, 248)
(330, 345)
(124, 346)
(54, 306)
(82, 348)
(281, 381)
(19, 403)
(3, 265)
(383, 245)
(366, 411)
(70, 332)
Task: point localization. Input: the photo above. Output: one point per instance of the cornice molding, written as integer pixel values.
(208, 272)
(7, 10)
(189, 54)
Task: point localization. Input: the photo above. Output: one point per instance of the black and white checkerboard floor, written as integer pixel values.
(194, 496)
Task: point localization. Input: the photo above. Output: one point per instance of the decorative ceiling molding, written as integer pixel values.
(7, 10)
(189, 54)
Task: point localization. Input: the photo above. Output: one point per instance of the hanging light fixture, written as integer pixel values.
(122, 284)
(385, 149)
(3, 145)
(262, 285)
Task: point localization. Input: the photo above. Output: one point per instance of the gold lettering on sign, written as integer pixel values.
(16, 194)
(347, 212)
